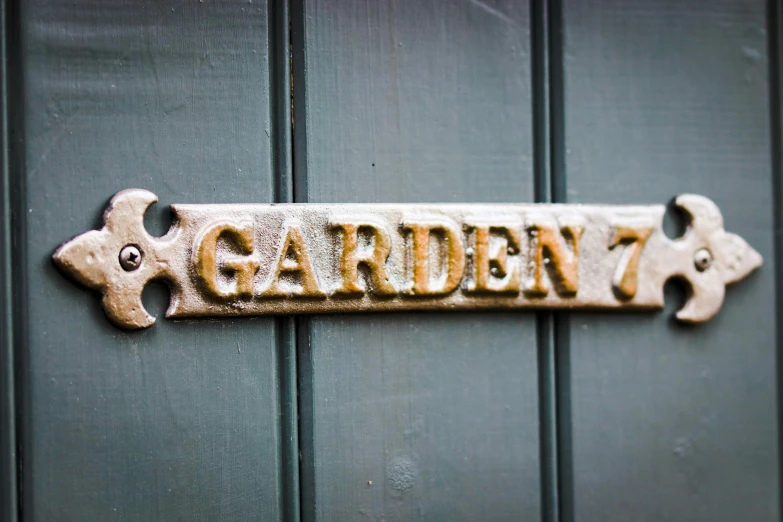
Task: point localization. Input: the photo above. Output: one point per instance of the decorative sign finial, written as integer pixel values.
(223, 260)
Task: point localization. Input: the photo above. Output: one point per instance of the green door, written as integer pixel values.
(492, 416)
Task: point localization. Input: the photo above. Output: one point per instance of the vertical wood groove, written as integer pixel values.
(560, 320)
(280, 101)
(282, 168)
(301, 326)
(298, 89)
(547, 392)
(8, 454)
(306, 426)
(547, 401)
(562, 364)
(289, 419)
(774, 35)
(17, 505)
(550, 187)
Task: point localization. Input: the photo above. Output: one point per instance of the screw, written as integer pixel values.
(702, 260)
(130, 258)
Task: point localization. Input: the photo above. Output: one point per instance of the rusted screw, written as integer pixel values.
(702, 260)
(130, 258)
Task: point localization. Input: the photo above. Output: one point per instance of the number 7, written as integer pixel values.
(626, 277)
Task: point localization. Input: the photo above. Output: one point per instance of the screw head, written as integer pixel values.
(702, 260)
(130, 258)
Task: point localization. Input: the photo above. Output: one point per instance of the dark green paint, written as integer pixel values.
(180, 422)
(496, 416)
(670, 422)
(411, 102)
(8, 451)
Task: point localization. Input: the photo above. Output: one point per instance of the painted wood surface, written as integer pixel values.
(417, 416)
(180, 423)
(400, 416)
(9, 490)
(673, 423)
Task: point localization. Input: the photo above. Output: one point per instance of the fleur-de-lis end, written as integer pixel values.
(718, 258)
(119, 259)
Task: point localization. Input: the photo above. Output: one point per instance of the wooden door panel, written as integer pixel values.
(401, 416)
(179, 422)
(417, 416)
(672, 422)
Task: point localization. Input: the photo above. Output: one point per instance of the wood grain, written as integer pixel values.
(673, 423)
(10, 254)
(180, 423)
(416, 416)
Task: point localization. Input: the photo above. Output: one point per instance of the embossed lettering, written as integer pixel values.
(243, 268)
(548, 252)
(634, 237)
(452, 258)
(212, 256)
(293, 260)
(373, 257)
(493, 271)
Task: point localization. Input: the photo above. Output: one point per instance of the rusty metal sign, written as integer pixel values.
(258, 259)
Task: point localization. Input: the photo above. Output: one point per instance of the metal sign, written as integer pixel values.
(229, 260)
